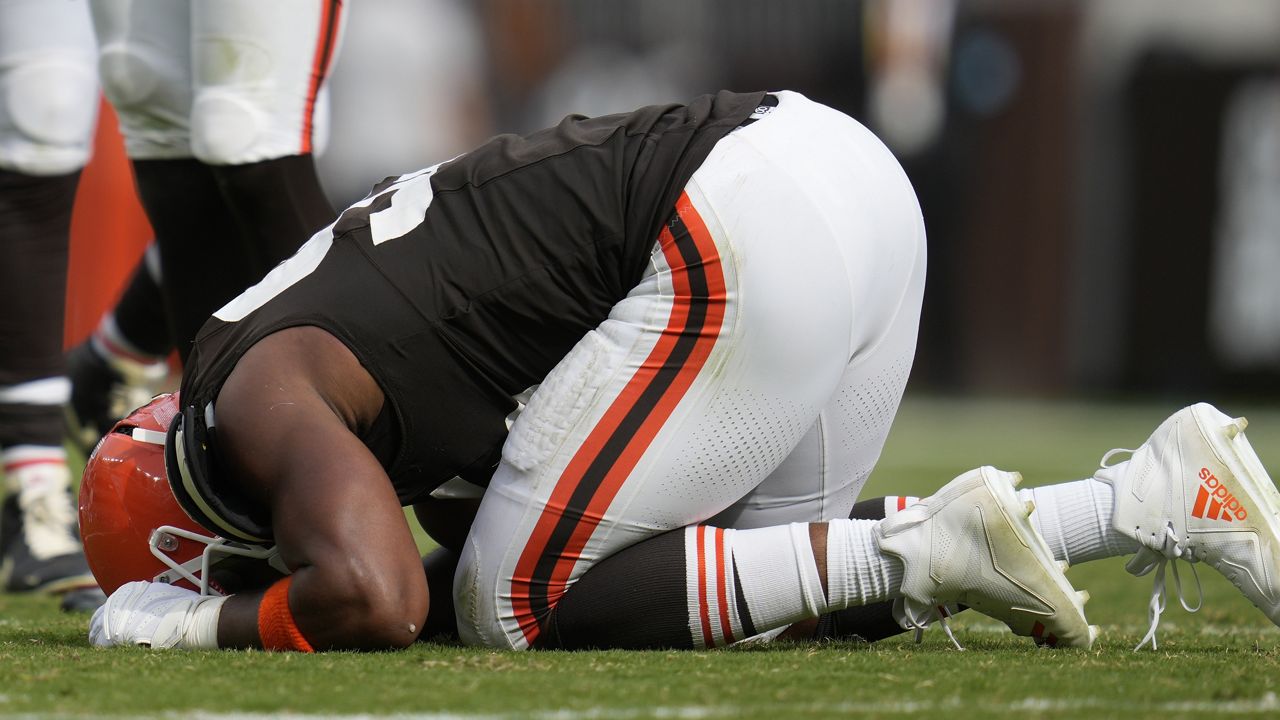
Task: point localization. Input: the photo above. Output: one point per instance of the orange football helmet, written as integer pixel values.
(131, 523)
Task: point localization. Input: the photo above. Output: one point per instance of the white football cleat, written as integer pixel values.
(1195, 490)
(972, 543)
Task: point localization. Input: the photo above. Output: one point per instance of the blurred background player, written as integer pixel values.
(420, 63)
(48, 105)
(410, 92)
(222, 105)
(125, 361)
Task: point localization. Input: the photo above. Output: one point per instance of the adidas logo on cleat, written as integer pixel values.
(1042, 639)
(1215, 502)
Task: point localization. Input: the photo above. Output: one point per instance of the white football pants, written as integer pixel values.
(750, 379)
(48, 86)
(228, 82)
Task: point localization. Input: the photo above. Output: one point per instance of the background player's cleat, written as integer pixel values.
(38, 543)
(1196, 491)
(82, 600)
(971, 543)
(105, 390)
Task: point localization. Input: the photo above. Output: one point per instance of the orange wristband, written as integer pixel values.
(276, 627)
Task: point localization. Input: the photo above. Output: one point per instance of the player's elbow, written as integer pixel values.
(365, 609)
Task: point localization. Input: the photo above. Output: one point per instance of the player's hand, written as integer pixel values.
(156, 615)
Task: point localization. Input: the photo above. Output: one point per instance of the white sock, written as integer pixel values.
(857, 572)
(118, 350)
(35, 469)
(778, 576)
(45, 391)
(894, 504)
(1074, 518)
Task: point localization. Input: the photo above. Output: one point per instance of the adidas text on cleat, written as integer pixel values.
(1196, 491)
(972, 543)
(1215, 502)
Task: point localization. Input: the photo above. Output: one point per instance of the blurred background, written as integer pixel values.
(1100, 180)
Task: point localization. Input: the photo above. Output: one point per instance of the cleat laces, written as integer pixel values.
(919, 620)
(1148, 559)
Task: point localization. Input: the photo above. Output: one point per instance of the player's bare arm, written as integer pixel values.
(287, 415)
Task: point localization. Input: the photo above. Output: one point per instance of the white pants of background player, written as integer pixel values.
(229, 82)
(750, 379)
(48, 86)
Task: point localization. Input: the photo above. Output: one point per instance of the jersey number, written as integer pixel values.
(390, 211)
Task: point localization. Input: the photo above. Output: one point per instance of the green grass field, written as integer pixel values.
(1224, 660)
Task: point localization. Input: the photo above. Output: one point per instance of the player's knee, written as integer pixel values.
(50, 104)
(151, 96)
(129, 78)
(478, 623)
(225, 128)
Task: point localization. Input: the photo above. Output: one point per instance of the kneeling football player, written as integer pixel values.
(669, 344)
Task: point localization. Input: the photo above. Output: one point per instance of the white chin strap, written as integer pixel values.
(163, 540)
